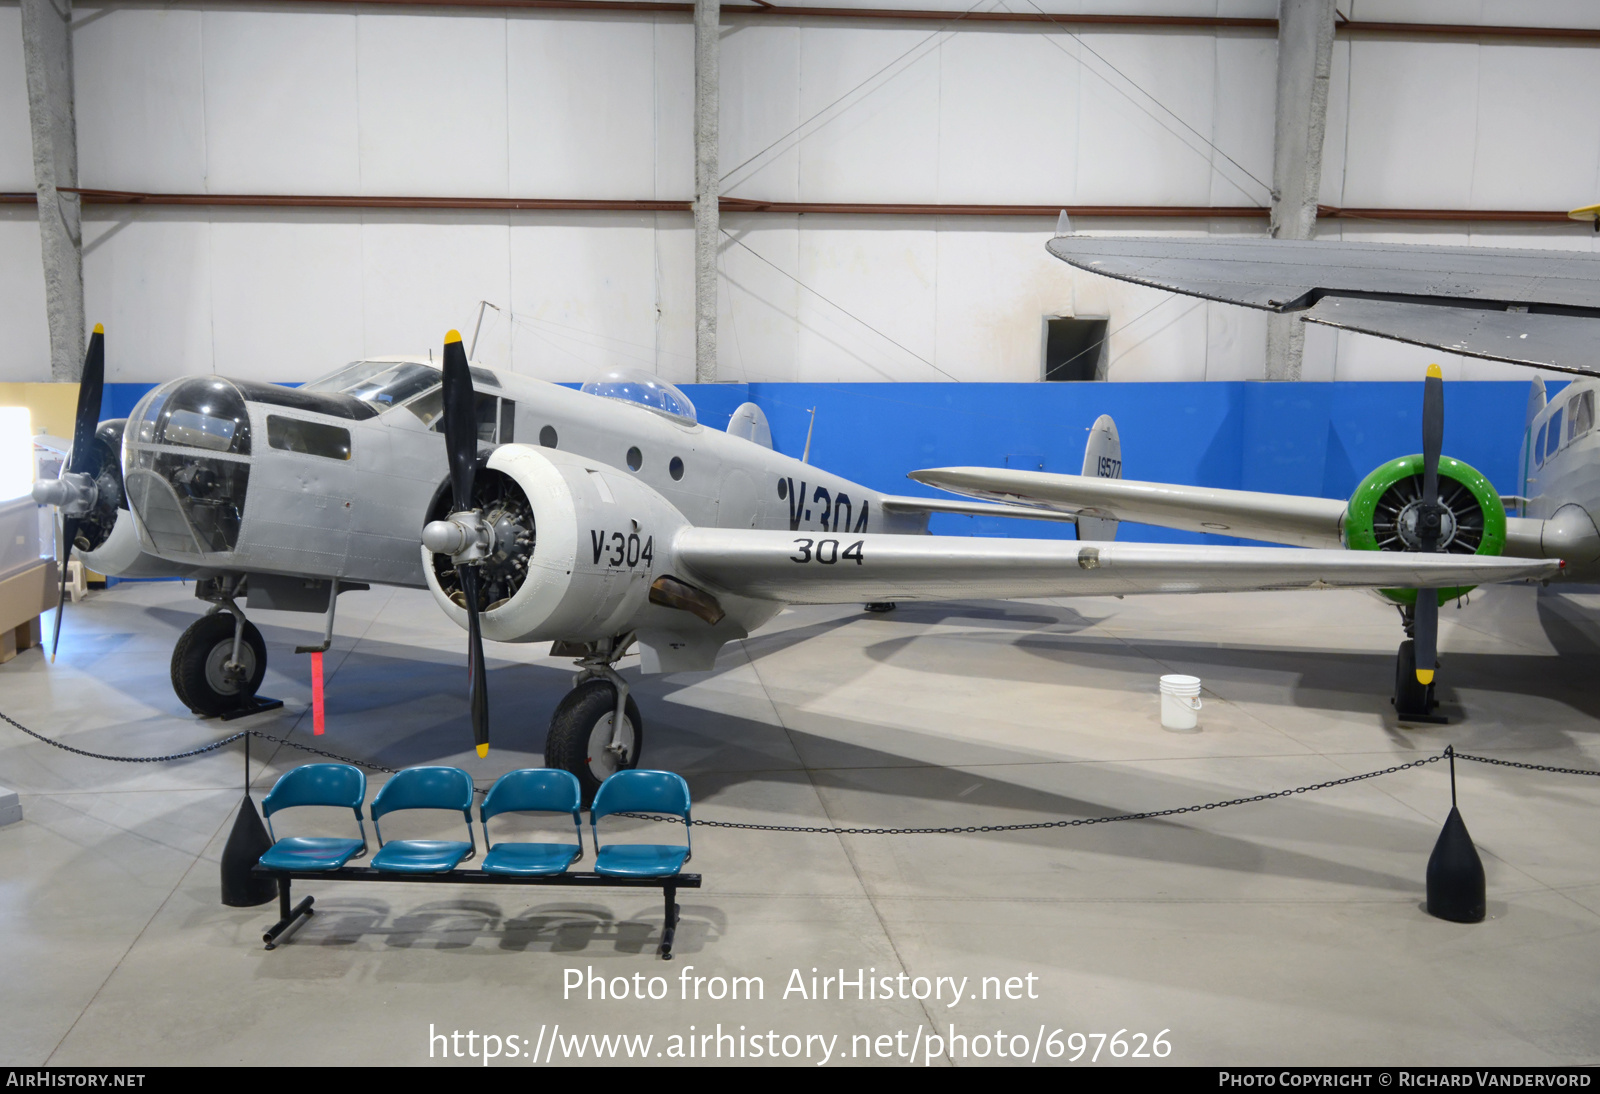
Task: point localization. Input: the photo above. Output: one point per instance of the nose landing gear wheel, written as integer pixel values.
(1413, 700)
(200, 674)
(581, 736)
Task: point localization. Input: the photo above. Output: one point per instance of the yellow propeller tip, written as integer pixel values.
(99, 328)
(1424, 676)
(1434, 373)
(483, 750)
(452, 336)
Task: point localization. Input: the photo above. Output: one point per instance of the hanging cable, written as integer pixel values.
(1043, 30)
(940, 30)
(825, 300)
(1133, 83)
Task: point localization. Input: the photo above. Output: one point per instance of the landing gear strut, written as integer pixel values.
(220, 660)
(1413, 700)
(596, 730)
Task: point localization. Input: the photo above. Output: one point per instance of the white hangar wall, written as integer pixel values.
(418, 102)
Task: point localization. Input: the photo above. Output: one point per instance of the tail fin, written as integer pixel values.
(1102, 458)
(749, 422)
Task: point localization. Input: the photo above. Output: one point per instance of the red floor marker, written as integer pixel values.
(316, 694)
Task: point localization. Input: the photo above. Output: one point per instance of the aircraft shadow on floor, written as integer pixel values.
(1344, 681)
(867, 774)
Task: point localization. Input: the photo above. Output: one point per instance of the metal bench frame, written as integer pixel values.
(288, 916)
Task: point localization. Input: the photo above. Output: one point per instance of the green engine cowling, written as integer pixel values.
(1376, 519)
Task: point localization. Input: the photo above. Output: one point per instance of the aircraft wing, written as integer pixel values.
(810, 569)
(1413, 292)
(1274, 518)
(1561, 342)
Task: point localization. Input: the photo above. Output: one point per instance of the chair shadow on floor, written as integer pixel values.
(460, 924)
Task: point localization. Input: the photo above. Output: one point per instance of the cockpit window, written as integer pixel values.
(1554, 440)
(200, 412)
(634, 385)
(382, 383)
(195, 430)
(1581, 414)
(310, 438)
(1538, 448)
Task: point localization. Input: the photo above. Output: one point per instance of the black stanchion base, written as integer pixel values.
(1455, 875)
(246, 844)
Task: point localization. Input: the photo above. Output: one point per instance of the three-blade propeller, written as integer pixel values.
(1430, 516)
(461, 444)
(83, 463)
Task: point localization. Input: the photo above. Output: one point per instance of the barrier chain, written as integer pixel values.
(829, 830)
(128, 759)
(1526, 767)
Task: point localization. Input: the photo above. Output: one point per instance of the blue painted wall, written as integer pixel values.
(1296, 438)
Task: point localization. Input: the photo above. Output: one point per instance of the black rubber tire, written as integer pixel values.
(194, 673)
(1411, 696)
(573, 726)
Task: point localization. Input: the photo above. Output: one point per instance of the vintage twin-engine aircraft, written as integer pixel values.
(1523, 306)
(592, 519)
(1427, 503)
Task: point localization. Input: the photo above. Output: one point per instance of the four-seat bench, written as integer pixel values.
(531, 790)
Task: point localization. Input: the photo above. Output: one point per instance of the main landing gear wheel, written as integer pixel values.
(200, 673)
(1413, 700)
(580, 739)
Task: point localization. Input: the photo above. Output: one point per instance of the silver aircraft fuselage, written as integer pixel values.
(337, 495)
(1560, 480)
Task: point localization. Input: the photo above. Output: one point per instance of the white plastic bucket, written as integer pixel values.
(1180, 702)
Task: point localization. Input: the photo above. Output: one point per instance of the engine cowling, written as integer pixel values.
(1381, 515)
(576, 545)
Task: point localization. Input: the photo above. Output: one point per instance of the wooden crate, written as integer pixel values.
(23, 597)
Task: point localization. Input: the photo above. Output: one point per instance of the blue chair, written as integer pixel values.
(315, 784)
(424, 788)
(640, 792)
(532, 790)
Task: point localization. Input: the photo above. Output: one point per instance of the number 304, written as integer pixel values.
(827, 552)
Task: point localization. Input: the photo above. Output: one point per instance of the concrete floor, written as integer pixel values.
(1281, 932)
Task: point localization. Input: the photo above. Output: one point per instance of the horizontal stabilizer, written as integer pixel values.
(1248, 514)
(896, 504)
(806, 569)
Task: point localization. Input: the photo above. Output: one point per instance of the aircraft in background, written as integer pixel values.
(591, 519)
(1524, 306)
